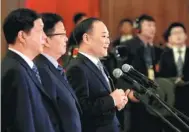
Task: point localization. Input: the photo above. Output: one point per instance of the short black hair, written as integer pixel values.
(167, 33)
(50, 20)
(78, 17)
(142, 18)
(19, 19)
(125, 20)
(83, 27)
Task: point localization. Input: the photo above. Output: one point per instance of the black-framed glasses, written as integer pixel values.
(50, 35)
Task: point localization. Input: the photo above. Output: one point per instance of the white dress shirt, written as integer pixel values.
(176, 54)
(125, 38)
(26, 59)
(92, 58)
(52, 60)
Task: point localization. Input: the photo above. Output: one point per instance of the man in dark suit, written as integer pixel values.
(52, 74)
(25, 103)
(141, 51)
(93, 87)
(174, 63)
(170, 59)
(141, 55)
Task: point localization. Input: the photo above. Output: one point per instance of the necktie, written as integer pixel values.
(148, 56)
(35, 70)
(101, 68)
(179, 64)
(61, 70)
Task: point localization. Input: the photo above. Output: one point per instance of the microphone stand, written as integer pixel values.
(172, 108)
(138, 96)
(141, 89)
(150, 93)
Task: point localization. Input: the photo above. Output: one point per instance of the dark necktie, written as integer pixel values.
(35, 70)
(179, 64)
(148, 56)
(101, 68)
(61, 70)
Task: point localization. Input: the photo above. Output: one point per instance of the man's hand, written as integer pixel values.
(120, 98)
(132, 97)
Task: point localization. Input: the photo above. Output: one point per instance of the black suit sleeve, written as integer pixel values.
(93, 107)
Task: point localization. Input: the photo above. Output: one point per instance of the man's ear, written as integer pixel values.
(22, 36)
(47, 42)
(86, 38)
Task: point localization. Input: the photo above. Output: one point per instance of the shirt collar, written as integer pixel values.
(95, 60)
(175, 48)
(51, 59)
(27, 59)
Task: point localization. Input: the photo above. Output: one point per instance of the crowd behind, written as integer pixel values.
(54, 83)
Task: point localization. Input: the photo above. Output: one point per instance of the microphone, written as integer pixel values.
(117, 73)
(139, 76)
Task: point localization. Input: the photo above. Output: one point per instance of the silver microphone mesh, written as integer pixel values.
(126, 67)
(117, 73)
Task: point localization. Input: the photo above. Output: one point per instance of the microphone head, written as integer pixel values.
(126, 67)
(117, 73)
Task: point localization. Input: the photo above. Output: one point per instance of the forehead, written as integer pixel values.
(126, 23)
(145, 22)
(38, 23)
(99, 27)
(59, 26)
(175, 29)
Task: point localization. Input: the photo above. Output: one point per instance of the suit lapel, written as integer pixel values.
(59, 77)
(110, 79)
(186, 57)
(172, 59)
(30, 72)
(95, 70)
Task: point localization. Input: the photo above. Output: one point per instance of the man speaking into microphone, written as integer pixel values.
(98, 98)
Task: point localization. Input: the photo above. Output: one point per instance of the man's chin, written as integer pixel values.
(41, 50)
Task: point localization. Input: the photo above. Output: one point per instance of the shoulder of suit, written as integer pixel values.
(133, 41)
(75, 62)
(166, 51)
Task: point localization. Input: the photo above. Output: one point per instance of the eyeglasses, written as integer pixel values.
(50, 35)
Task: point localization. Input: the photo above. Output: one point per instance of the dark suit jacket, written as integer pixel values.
(59, 89)
(99, 112)
(25, 104)
(168, 67)
(135, 48)
(140, 119)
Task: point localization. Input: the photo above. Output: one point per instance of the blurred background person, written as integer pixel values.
(72, 47)
(125, 29)
(174, 64)
(79, 17)
(141, 55)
